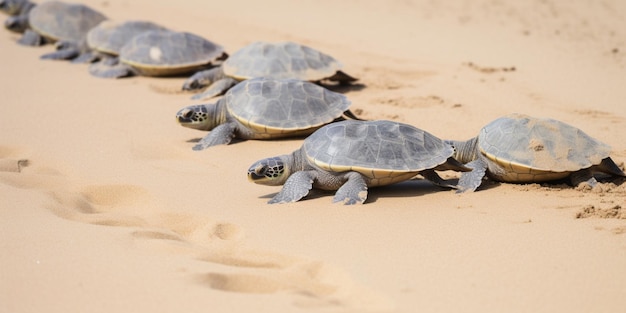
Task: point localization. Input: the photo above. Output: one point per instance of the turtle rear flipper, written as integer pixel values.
(469, 181)
(607, 166)
(342, 78)
(217, 88)
(433, 177)
(103, 70)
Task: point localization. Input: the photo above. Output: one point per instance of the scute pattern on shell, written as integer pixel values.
(111, 36)
(169, 49)
(280, 106)
(521, 142)
(280, 60)
(375, 146)
(63, 21)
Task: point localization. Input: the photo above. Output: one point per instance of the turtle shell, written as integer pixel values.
(535, 149)
(164, 53)
(110, 36)
(60, 21)
(280, 60)
(385, 151)
(283, 107)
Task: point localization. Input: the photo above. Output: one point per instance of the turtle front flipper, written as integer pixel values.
(296, 187)
(65, 51)
(217, 88)
(86, 57)
(469, 181)
(104, 70)
(31, 38)
(220, 135)
(353, 191)
(203, 78)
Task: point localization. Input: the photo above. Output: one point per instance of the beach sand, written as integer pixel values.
(113, 211)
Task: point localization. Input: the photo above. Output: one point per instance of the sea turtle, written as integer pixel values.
(161, 53)
(66, 24)
(265, 59)
(350, 156)
(265, 108)
(522, 149)
(107, 39)
(18, 14)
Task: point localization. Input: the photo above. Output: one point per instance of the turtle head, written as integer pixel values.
(464, 151)
(271, 171)
(16, 24)
(15, 7)
(201, 116)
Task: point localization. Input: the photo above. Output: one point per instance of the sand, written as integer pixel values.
(113, 211)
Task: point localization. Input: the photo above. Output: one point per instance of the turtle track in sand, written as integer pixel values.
(232, 265)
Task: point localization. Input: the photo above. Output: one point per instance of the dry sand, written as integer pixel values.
(115, 213)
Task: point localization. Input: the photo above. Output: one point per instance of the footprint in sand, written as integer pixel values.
(111, 205)
(12, 165)
(317, 283)
(248, 269)
(10, 160)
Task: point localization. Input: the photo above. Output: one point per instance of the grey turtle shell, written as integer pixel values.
(538, 149)
(110, 36)
(280, 60)
(60, 21)
(384, 151)
(277, 107)
(164, 53)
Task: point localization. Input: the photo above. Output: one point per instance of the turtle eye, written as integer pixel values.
(260, 170)
(269, 171)
(188, 114)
